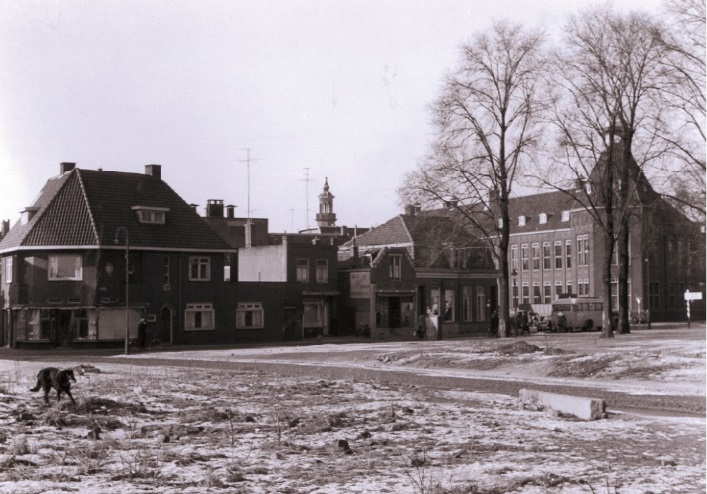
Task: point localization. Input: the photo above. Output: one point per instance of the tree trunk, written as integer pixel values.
(624, 312)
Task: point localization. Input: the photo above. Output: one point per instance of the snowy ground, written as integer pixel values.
(167, 429)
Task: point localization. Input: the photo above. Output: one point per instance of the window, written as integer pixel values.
(543, 218)
(654, 296)
(583, 250)
(547, 293)
(449, 305)
(396, 262)
(514, 257)
(671, 296)
(558, 289)
(165, 271)
(303, 270)
(547, 254)
(65, 267)
(199, 269)
(558, 254)
(151, 215)
(524, 257)
(480, 303)
(565, 215)
(199, 317)
(322, 271)
(536, 293)
(526, 293)
(569, 287)
(226, 267)
(568, 254)
(536, 256)
(8, 270)
(583, 287)
(250, 315)
(514, 296)
(614, 294)
(521, 220)
(434, 297)
(466, 303)
(500, 222)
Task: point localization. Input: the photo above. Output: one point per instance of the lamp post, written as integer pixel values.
(514, 273)
(127, 284)
(648, 291)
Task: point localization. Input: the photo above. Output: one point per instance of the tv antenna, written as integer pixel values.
(248, 161)
(306, 180)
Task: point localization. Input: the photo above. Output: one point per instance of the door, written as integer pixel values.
(166, 325)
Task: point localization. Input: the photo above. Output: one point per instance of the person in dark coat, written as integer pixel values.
(142, 333)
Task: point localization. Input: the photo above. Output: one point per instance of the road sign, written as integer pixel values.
(693, 295)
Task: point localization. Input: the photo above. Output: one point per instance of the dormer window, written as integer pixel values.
(151, 215)
(521, 220)
(565, 215)
(500, 222)
(543, 218)
(28, 214)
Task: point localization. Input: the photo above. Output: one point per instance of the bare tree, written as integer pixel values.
(609, 69)
(486, 120)
(685, 67)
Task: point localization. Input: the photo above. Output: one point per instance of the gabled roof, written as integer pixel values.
(84, 208)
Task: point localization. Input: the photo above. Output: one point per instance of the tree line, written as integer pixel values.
(520, 109)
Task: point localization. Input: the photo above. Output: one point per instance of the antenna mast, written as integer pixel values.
(306, 180)
(247, 161)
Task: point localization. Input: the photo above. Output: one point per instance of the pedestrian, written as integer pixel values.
(494, 324)
(142, 333)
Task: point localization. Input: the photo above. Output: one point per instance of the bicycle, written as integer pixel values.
(154, 345)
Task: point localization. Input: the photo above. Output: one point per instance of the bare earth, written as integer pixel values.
(371, 417)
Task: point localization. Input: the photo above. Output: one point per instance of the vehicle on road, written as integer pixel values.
(584, 313)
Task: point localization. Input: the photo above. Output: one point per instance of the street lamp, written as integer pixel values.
(648, 291)
(514, 273)
(127, 284)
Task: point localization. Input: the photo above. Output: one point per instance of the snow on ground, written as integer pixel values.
(167, 430)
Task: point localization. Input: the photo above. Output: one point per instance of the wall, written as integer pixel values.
(264, 263)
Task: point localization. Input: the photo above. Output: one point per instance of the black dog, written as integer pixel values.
(51, 377)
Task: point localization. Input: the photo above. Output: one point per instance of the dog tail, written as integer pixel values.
(37, 387)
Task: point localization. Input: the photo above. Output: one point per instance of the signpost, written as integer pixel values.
(689, 297)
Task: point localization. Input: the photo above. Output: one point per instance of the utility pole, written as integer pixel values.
(247, 161)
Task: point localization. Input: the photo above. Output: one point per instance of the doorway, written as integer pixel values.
(165, 330)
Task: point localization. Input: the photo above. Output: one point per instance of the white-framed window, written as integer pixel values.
(151, 215)
(521, 220)
(199, 268)
(570, 287)
(526, 293)
(65, 267)
(449, 305)
(199, 317)
(8, 270)
(303, 270)
(322, 271)
(568, 254)
(524, 257)
(514, 257)
(466, 303)
(227, 267)
(536, 292)
(481, 303)
(542, 219)
(614, 294)
(565, 215)
(536, 256)
(583, 287)
(583, 250)
(250, 315)
(547, 293)
(396, 266)
(558, 289)
(547, 255)
(558, 254)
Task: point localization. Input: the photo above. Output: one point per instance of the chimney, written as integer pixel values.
(5, 228)
(249, 234)
(154, 171)
(579, 183)
(214, 208)
(410, 210)
(230, 211)
(194, 206)
(66, 167)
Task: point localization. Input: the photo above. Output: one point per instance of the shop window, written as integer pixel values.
(65, 267)
(199, 317)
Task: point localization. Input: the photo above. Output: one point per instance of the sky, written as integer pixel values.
(308, 89)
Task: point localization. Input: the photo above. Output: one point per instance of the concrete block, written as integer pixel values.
(581, 407)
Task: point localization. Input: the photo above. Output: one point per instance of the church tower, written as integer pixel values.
(326, 216)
